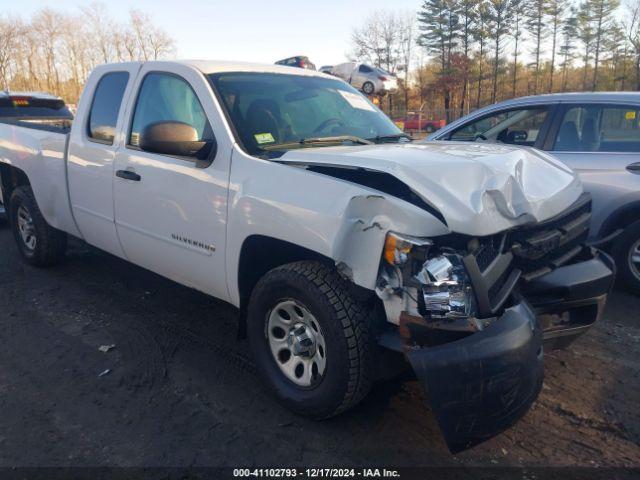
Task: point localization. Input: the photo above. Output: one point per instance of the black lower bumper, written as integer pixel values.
(483, 383)
(569, 300)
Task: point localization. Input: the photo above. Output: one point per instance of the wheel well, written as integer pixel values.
(10, 178)
(620, 218)
(260, 254)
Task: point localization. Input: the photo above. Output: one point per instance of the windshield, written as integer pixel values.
(269, 110)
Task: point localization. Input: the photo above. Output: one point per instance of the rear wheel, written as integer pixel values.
(368, 88)
(626, 250)
(311, 339)
(39, 244)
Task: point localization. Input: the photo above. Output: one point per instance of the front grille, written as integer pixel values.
(526, 252)
(543, 247)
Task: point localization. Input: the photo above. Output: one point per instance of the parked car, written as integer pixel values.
(596, 134)
(299, 61)
(371, 80)
(326, 69)
(291, 196)
(415, 121)
(34, 108)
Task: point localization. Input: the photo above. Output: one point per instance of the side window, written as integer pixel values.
(365, 69)
(165, 97)
(105, 107)
(595, 128)
(516, 127)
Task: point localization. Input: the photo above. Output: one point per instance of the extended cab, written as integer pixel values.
(290, 195)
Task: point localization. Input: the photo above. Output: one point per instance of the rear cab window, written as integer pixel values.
(105, 108)
(34, 111)
(599, 128)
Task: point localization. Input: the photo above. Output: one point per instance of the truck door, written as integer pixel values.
(171, 210)
(92, 148)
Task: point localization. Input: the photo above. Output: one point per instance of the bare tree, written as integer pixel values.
(632, 29)
(9, 37)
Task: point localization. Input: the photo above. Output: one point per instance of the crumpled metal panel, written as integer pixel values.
(479, 188)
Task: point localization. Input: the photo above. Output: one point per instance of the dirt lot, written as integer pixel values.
(179, 390)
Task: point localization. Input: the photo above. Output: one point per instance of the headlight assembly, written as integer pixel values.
(434, 277)
(398, 247)
(446, 289)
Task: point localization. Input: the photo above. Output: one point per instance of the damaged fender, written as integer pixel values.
(367, 219)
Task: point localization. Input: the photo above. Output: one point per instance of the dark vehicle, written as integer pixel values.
(299, 61)
(36, 108)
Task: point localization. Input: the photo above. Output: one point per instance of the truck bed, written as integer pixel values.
(40, 151)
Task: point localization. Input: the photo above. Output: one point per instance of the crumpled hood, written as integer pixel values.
(479, 188)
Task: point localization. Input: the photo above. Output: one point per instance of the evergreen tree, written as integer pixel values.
(439, 22)
(536, 12)
(567, 49)
(500, 12)
(602, 18)
(555, 10)
(516, 33)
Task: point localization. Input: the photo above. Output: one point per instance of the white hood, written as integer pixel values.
(479, 188)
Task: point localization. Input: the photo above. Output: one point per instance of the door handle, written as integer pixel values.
(634, 167)
(128, 175)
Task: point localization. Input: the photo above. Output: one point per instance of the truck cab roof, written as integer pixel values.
(220, 66)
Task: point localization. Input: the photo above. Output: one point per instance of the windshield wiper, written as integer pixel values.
(335, 140)
(386, 138)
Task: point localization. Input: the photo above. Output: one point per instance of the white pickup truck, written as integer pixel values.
(288, 194)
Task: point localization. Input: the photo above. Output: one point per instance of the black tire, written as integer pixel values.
(344, 321)
(50, 243)
(368, 88)
(3, 215)
(628, 275)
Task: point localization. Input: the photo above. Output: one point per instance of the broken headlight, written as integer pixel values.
(446, 289)
(398, 247)
(434, 278)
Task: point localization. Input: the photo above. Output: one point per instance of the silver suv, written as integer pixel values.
(596, 134)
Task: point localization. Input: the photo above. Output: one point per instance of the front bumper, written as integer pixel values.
(482, 383)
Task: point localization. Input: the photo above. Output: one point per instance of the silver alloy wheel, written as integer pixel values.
(634, 259)
(26, 228)
(297, 343)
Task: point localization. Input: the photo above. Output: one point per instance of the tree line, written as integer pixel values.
(458, 55)
(54, 51)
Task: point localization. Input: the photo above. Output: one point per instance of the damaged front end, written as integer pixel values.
(472, 315)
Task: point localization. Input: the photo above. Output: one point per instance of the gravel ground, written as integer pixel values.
(178, 390)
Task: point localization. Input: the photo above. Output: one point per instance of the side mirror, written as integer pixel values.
(175, 138)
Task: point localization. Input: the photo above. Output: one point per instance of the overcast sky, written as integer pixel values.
(247, 30)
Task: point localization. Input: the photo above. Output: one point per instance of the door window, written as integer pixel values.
(594, 128)
(516, 127)
(163, 98)
(365, 69)
(105, 107)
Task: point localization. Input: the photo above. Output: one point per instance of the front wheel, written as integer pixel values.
(311, 339)
(626, 251)
(39, 244)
